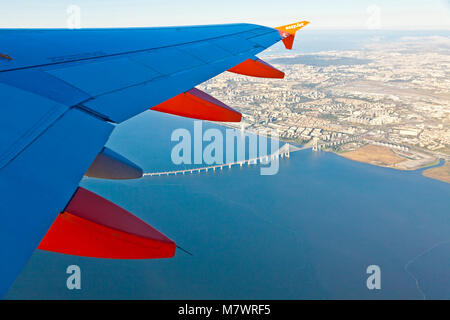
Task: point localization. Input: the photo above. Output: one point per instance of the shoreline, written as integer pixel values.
(437, 169)
(440, 172)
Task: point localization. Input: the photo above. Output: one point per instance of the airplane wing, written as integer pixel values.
(63, 91)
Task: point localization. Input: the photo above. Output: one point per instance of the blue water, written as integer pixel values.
(308, 232)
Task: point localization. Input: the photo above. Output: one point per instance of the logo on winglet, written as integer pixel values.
(296, 26)
(5, 56)
(293, 28)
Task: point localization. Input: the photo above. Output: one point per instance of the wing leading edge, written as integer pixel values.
(61, 93)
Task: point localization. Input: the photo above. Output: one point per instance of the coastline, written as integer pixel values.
(430, 167)
(441, 173)
(437, 169)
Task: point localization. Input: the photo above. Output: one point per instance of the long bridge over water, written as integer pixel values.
(283, 152)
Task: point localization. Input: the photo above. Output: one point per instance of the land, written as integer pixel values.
(376, 155)
(441, 173)
(395, 95)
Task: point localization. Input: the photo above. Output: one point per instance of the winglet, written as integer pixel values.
(288, 31)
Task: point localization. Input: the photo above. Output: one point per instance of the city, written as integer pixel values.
(387, 104)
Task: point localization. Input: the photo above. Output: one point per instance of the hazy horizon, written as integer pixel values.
(323, 14)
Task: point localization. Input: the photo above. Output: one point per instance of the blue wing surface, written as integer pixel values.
(61, 93)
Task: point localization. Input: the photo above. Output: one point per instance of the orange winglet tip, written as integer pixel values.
(197, 104)
(257, 68)
(92, 226)
(288, 32)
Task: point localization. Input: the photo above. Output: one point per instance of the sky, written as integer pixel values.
(323, 14)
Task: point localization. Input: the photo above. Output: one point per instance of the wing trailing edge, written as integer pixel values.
(257, 68)
(197, 104)
(92, 226)
(111, 165)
